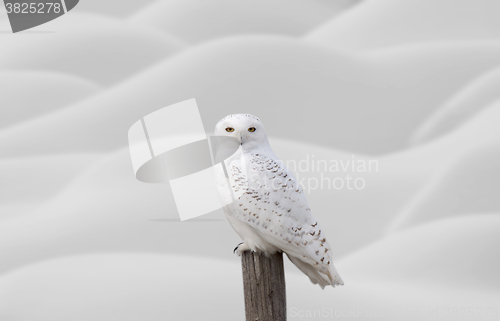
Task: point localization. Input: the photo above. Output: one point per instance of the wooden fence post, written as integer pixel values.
(264, 286)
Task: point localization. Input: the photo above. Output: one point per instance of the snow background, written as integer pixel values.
(414, 85)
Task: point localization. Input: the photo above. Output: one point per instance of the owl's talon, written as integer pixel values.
(234, 251)
(242, 247)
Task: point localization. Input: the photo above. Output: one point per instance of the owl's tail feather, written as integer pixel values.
(334, 276)
(322, 279)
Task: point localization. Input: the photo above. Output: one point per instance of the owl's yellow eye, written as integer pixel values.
(251, 129)
(229, 129)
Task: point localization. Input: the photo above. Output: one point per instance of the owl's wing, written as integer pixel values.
(274, 204)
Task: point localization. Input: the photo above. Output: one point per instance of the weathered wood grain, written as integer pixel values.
(264, 286)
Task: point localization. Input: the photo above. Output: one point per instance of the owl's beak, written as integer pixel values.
(241, 139)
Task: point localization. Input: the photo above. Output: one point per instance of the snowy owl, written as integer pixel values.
(270, 211)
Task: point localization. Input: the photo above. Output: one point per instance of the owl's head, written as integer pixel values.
(246, 128)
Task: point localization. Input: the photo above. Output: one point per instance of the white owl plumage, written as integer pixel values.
(271, 212)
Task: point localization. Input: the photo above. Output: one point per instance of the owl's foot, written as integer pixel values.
(242, 247)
